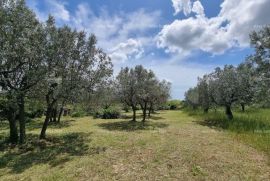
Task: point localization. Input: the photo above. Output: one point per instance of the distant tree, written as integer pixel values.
(139, 86)
(159, 96)
(192, 97)
(146, 85)
(127, 89)
(173, 104)
(246, 77)
(203, 90)
(226, 88)
(102, 97)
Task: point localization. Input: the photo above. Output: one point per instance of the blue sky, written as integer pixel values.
(179, 39)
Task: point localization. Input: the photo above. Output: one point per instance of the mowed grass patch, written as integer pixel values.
(251, 126)
(171, 146)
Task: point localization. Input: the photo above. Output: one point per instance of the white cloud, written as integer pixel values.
(54, 7)
(198, 8)
(125, 32)
(182, 36)
(183, 76)
(58, 10)
(182, 5)
(229, 29)
(124, 51)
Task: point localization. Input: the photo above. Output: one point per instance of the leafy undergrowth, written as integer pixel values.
(170, 146)
(251, 126)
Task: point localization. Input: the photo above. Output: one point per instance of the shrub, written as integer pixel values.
(78, 114)
(109, 113)
(172, 105)
(35, 113)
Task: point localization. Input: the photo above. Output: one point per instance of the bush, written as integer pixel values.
(109, 113)
(78, 114)
(172, 105)
(34, 113)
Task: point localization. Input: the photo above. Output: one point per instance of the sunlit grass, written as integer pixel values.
(170, 146)
(251, 126)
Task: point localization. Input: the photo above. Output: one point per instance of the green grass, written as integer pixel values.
(172, 145)
(251, 126)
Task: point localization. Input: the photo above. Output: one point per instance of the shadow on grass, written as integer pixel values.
(131, 126)
(55, 151)
(140, 116)
(37, 124)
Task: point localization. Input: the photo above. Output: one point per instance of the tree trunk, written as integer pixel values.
(243, 107)
(205, 110)
(13, 130)
(54, 114)
(60, 114)
(46, 122)
(50, 105)
(134, 113)
(144, 111)
(151, 110)
(21, 118)
(229, 112)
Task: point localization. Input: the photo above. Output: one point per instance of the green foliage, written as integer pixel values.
(173, 104)
(108, 113)
(78, 114)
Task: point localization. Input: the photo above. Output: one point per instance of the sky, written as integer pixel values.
(180, 40)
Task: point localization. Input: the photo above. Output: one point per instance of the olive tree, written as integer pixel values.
(192, 97)
(159, 96)
(22, 53)
(140, 87)
(73, 64)
(146, 84)
(203, 91)
(127, 89)
(260, 40)
(246, 75)
(226, 84)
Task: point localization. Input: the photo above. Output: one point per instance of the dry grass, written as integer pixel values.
(171, 146)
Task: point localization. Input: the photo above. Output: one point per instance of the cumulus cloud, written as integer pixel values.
(230, 28)
(182, 5)
(182, 36)
(198, 8)
(123, 51)
(118, 30)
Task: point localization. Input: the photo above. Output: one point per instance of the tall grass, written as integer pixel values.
(251, 126)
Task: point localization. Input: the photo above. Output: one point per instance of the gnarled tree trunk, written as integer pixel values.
(13, 130)
(229, 112)
(21, 118)
(60, 114)
(144, 108)
(50, 105)
(243, 107)
(134, 113)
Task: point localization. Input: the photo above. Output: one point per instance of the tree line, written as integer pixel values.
(245, 84)
(43, 65)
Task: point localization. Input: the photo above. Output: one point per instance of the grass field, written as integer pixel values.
(251, 126)
(173, 145)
